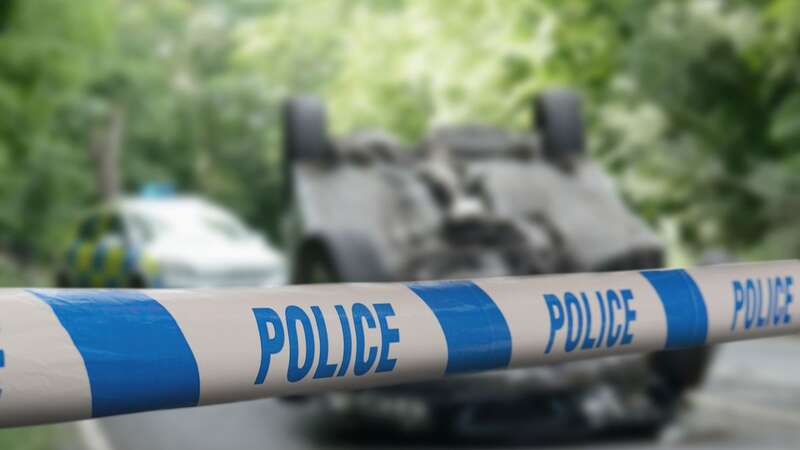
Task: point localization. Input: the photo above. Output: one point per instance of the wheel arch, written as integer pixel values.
(350, 256)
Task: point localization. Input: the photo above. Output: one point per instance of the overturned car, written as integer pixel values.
(475, 201)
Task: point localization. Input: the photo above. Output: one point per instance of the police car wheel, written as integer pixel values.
(137, 282)
(559, 122)
(62, 280)
(305, 130)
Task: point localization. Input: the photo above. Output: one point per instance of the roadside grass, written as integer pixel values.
(31, 438)
(15, 275)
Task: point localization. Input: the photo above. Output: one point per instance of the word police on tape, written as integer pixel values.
(73, 354)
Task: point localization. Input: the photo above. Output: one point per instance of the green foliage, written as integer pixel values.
(693, 105)
(48, 49)
(705, 134)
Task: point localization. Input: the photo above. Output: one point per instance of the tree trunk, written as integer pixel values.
(104, 149)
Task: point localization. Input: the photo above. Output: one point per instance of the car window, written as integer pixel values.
(141, 229)
(188, 223)
(230, 228)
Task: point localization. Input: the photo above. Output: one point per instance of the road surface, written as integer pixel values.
(750, 400)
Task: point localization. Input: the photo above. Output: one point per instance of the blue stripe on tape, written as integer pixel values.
(136, 357)
(476, 332)
(684, 306)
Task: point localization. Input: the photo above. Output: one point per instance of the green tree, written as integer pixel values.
(705, 135)
(49, 48)
(694, 106)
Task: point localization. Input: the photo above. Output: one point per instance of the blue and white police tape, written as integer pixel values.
(72, 354)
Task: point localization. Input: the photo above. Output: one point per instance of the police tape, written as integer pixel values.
(73, 354)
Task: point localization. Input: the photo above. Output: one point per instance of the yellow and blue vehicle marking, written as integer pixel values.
(92, 263)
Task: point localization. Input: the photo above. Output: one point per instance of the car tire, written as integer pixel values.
(305, 130)
(315, 266)
(682, 369)
(560, 123)
(137, 282)
(346, 257)
(62, 280)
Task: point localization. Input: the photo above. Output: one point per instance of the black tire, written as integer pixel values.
(560, 124)
(682, 369)
(62, 280)
(305, 130)
(137, 282)
(339, 259)
(346, 257)
(315, 266)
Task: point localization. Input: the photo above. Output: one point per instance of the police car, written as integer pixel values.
(167, 241)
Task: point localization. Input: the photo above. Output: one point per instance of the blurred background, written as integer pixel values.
(692, 108)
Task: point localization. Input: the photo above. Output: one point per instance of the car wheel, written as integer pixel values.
(137, 282)
(62, 280)
(345, 257)
(682, 369)
(305, 130)
(559, 122)
(316, 267)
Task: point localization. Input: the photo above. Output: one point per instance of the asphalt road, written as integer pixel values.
(750, 400)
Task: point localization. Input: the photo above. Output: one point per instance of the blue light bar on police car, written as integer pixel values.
(74, 354)
(157, 190)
